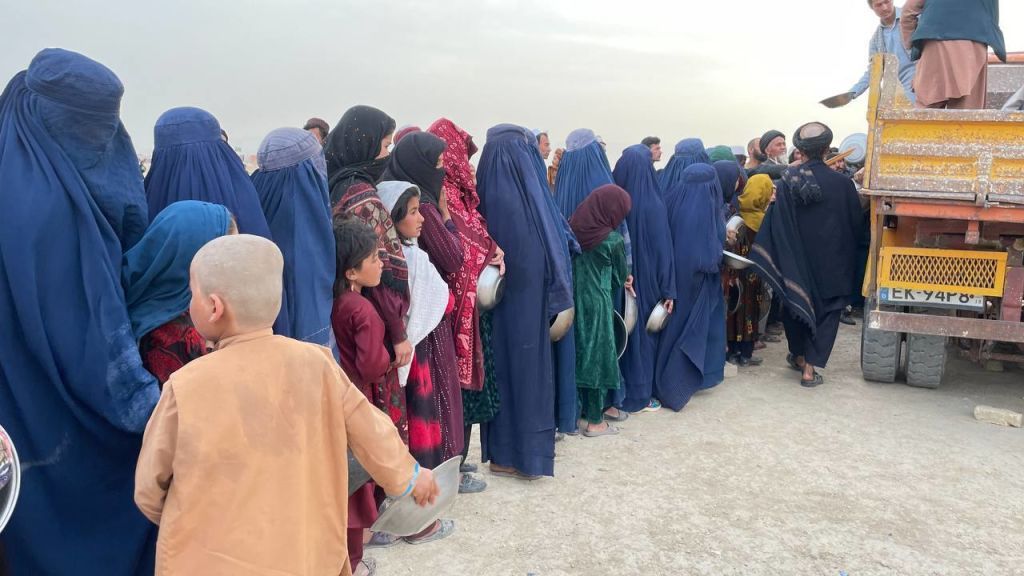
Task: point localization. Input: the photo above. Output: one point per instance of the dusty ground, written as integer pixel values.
(760, 476)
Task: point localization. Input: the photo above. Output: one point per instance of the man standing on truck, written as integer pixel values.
(951, 39)
(887, 39)
(806, 250)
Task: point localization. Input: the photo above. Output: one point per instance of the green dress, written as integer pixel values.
(597, 275)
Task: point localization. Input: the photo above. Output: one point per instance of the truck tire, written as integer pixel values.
(879, 353)
(926, 360)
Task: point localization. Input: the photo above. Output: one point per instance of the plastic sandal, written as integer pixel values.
(382, 540)
(792, 363)
(507, 472)
(609, 431)
(445, 528)
(471, 485)
(622, 417)
(816, 381)
(368, 567)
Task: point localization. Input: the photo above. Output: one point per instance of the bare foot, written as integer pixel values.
(597, 427)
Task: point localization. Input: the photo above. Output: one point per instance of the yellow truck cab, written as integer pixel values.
(945, 269)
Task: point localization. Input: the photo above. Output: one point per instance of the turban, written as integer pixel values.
(812, 137)
(767, 139)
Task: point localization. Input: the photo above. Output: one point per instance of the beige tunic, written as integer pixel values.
(244, 465)
(950, 73)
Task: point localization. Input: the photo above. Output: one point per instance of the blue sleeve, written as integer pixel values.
(862, 85)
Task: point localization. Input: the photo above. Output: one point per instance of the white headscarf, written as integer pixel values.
(428, 292)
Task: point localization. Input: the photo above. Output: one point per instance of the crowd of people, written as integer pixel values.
(188, 355)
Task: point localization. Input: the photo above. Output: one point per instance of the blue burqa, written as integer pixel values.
(583, 168)
(691, 353)
(155, 272)
(73, 393)
(192, 162)
(522, 219)
(653, 270)
(292, 187)
(688, 151)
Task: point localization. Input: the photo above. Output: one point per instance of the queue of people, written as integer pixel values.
(188, 356)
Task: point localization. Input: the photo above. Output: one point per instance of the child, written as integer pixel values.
(597, 274)
(155, 280)
(243, 462)
(429, 312)
(359, 332)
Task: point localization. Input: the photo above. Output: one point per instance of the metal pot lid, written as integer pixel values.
(658, 319)
(490, 288)
(859, 144)
(621, 334)
(736, 261)
(403, 517)
(10, 478)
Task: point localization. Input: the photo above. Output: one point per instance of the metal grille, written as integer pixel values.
(969, 272)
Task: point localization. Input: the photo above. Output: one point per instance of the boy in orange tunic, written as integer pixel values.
(243, 463)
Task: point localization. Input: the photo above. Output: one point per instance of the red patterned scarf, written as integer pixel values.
(460, 190)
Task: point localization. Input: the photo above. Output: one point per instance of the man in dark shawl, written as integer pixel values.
(772, 160)
(691, 353)
(522, 218)
(192, 162)
(806, 250)
(74, 395)
(654, 271)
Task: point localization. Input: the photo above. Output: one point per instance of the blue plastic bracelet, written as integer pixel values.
(415, 475)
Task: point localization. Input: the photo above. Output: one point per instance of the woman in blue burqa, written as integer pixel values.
(291, 184)
(522, 218)
(691, 354)
(584, 168)
(74, 395)
(191, 161)
(653, 271)
(688, 151)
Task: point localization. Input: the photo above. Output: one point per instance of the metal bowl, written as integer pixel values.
(658, 319)
(490, 288)
(621, 334)
(629, 312)
(859, 144)
(561, 324)
(735, 261)
(403, 517)
(10, 478)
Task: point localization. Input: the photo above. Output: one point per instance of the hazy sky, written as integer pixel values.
(723, 71)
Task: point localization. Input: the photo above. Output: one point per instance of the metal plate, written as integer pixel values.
(736, 261)
(404, 517)
(932, 299)
(10, 468)
(658, 319)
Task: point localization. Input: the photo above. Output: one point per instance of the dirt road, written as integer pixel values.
(761, 476)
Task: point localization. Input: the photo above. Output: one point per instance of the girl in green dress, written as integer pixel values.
(598, 273)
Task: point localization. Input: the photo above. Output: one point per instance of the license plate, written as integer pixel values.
(933, 299)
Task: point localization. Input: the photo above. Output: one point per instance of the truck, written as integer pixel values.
(945, 270)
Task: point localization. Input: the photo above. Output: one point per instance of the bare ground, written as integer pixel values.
(761, 476)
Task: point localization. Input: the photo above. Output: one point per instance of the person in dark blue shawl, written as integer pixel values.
(653, 269)
(521, 217)
(292, 187)
(691, 353)
(74, 396)
(191, 161)
(688, 151)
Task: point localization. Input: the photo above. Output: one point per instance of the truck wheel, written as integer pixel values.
(926, 360)
(879, 353)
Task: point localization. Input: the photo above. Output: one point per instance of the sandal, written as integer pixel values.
(381, 540)
(622, 417)
(471, 485)
(368, 565)
(791, 360)
(608, 431)
(817, 380)
(444, 529)
(509, 472)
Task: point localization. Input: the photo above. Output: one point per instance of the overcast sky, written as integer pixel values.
(723, 71)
